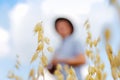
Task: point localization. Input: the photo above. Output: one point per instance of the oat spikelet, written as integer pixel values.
(11, 75)
(38, 28)
(44, 60)
(86, 24)
(47, 40)
(50, 49)
(31, 73)
(58, 73)
(71, 74)
(34, 57)
(40, 47)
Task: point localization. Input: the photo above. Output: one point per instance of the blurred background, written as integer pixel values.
(18, 18)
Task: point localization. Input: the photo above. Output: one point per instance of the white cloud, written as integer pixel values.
(100, 15)
(65, 7)
(4, 42)
(21, 31)
(68, 7)
(18, 12)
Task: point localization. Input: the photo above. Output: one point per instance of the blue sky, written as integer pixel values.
(5, 7)
(18, 17)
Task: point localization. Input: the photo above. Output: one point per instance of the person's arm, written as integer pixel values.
(74, 61)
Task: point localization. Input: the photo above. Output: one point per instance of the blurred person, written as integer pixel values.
(71, 51)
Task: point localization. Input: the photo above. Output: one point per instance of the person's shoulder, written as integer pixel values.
(75, 40)
(78, 41)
